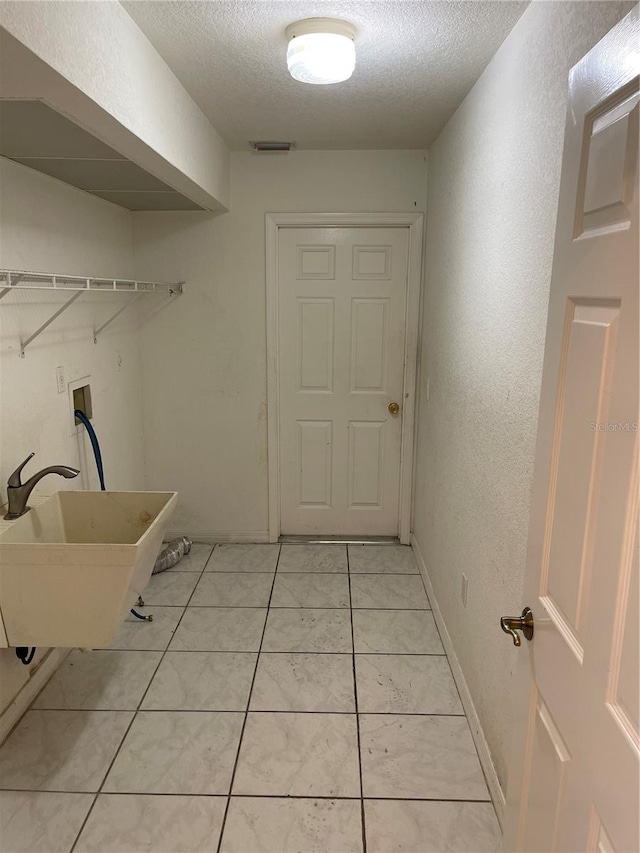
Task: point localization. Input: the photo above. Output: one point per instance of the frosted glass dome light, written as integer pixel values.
(321, 50)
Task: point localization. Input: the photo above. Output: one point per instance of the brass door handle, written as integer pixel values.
(524, 623)
(394, 408)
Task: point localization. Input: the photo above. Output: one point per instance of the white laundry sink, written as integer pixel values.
(72, 567)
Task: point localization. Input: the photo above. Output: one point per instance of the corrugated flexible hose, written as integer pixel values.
(172, 554)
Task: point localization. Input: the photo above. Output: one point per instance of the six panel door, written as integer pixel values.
(342, 315)
(573, 785)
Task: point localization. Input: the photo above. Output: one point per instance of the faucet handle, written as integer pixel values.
(14, 480)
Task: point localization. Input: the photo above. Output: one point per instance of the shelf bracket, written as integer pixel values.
(12, 279)
(114, 316)
(31, 338)
(77, 285)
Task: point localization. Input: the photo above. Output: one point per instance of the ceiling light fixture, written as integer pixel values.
(321, 50)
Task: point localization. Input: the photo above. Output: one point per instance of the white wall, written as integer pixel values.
(493, 189)
(47, 226)
(99, 67)
(204, 360)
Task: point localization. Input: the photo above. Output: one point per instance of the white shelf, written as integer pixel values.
(22, 280)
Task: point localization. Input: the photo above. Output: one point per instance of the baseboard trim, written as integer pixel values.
(290, 539)
(226, 536)
(495, 790)
(47, 666)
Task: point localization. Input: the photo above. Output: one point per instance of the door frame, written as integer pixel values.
(415, 223)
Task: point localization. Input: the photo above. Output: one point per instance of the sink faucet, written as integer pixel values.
(18, 492)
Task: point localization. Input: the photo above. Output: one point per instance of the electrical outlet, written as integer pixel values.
(463, 589)
(60, 379)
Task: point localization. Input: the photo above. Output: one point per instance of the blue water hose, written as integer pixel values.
(94, 443)
(98, 455)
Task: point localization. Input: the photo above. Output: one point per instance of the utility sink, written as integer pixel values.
(72, 567)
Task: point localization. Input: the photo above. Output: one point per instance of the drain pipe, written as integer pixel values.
(172, 554)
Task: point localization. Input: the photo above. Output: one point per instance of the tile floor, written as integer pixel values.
(291, 699)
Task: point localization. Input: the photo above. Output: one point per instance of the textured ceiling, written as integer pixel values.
(417, 59)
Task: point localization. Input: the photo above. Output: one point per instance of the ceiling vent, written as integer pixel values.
(271, 146)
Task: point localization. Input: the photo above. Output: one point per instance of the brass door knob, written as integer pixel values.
(394, 408)
(524, 623)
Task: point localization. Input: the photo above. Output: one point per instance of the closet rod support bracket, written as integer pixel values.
(124, 307)
(31, 338)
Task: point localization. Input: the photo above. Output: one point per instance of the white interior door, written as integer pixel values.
(573, 785)
(341, 315)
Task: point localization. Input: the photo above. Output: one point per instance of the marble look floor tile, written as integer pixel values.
(391, 592)
(313, 558)
(396, 632)
(220, 629)
(100, 681)
(177, 752)
(195, 560)
(310, 590)
(419, 757)
(62, 750)
(169, 588)
(151, 636)
(406, 684)
(307, 631)
(273, 825)
(41, 822)
(308, 755)
(136, 823)
(403, 826)
(295, 682)
(396, 559)
(202, 681)
(244, 558)
(233, 589)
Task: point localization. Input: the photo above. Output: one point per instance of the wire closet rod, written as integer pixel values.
(12, 280)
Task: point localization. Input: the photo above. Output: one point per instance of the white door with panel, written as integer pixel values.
(573, 784)
(342, 296)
